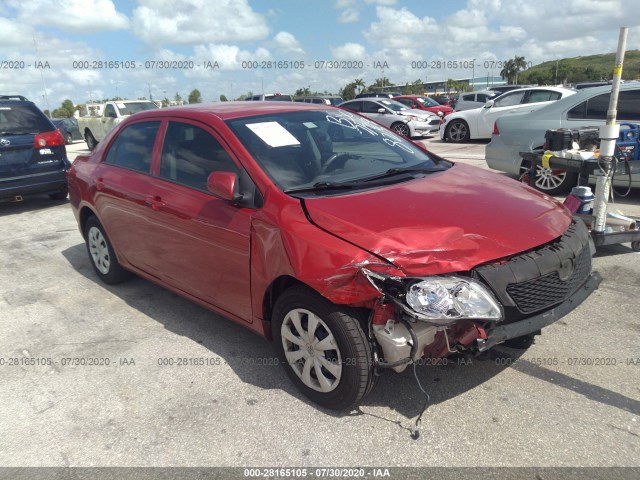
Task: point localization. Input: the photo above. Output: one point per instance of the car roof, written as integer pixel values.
(231, 110)
(580, 96)
(526, 89)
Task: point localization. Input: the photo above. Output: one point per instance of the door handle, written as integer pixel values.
(154, 201)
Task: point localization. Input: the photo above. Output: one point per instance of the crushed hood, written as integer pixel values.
(444, 222)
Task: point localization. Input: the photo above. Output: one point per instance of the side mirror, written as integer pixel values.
(382, 110)
(224, 185)
(489, 104)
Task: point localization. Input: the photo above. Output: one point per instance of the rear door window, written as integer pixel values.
(133, 147)
(542, 96)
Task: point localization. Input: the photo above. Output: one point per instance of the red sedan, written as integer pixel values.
(352, 248)
(421, 102)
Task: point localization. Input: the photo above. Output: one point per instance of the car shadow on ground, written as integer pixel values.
(29, 204)
(253, 360)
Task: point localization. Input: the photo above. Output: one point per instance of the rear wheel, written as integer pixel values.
(323, 348)
(68, 139)
(401, 129)
(90, 139)
(103, 259)
(457, 131)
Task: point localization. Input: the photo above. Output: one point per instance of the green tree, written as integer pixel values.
(348, 92)
(359, 83)
(302, 92)
(65, 111)
(508, 71)
(195, 96)
(519, 64)
(379, 84)
(414, 88)
(223, 98)
(166, 102)
(178, 98)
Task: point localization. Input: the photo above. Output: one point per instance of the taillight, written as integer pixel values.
(495, 129)
(48, 139)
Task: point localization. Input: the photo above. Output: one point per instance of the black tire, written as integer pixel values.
(90, 139)
(352, 374)
(401, 129)
(101, 254)
(61, 195)
(68, 139)
(457, 132)
(555, 182)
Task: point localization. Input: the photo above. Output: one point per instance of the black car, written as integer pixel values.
(68, 128)
(33, 157)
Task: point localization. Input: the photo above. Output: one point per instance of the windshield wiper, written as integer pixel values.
(398, 171)
(319, 186)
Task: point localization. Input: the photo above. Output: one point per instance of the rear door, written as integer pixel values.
(124, 193)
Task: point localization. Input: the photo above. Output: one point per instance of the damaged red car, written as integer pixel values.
(353, 249)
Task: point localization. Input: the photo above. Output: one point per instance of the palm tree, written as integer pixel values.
(358, 82)
(519, 64)
(508, 71)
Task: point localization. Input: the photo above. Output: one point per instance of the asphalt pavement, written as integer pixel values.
(90, 376)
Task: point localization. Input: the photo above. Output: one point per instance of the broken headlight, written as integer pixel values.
(439, 299)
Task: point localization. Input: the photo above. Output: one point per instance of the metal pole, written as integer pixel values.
(608, 136)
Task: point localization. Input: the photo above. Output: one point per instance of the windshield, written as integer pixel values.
(321, 147)
(429, 102)
(134, 107)
(393, 105)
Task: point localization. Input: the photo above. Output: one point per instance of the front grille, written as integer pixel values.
(549, 290)
(540, 279)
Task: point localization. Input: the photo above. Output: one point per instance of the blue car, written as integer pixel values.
(33, 156)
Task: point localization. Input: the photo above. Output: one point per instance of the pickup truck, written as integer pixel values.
(101, 120)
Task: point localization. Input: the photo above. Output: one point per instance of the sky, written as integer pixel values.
(52, 50)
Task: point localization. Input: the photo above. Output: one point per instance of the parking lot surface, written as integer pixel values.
(95, 375)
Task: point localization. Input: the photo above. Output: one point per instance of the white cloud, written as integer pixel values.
(229, 57)
(349, 15)
(287, 43)
(400, 28)
(197, 22)
(78, 16)
(349, 51)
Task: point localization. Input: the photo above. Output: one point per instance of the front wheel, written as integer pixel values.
(553, 181)
(401, 129)
(103, 258)
(323, 348)
(457, 132)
